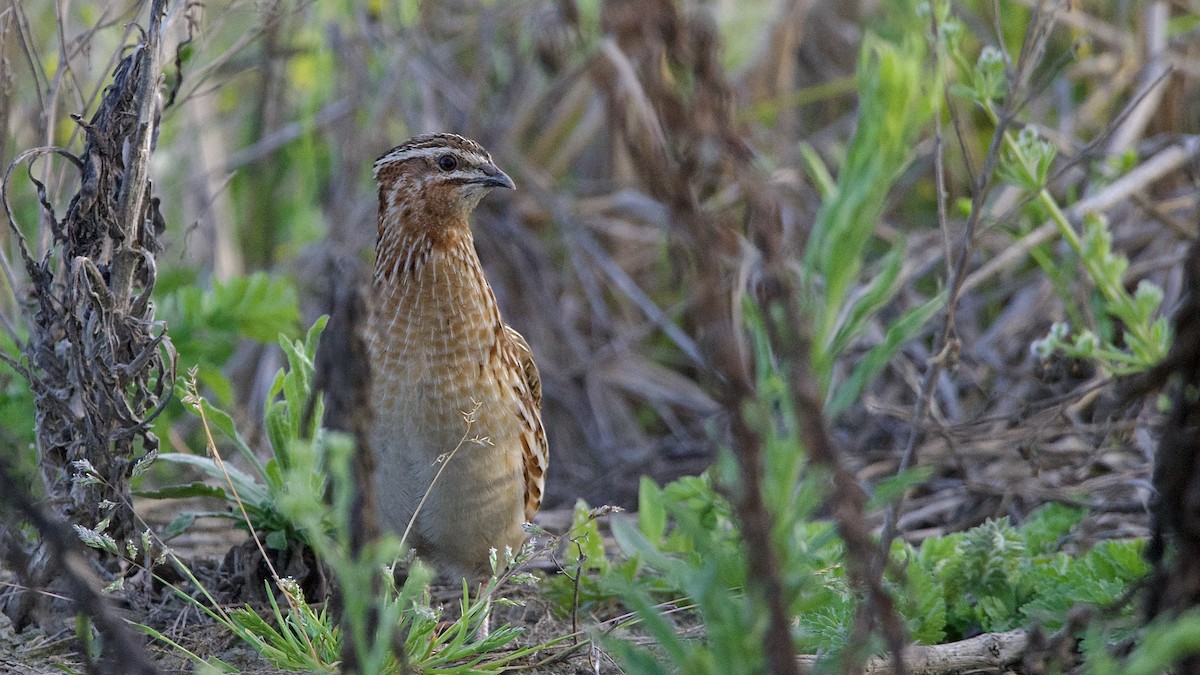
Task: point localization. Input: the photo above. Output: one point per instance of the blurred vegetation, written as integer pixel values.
(277, 109)
(972, 211)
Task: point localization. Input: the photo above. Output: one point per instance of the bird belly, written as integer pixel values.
(467, 496)
(447, 447)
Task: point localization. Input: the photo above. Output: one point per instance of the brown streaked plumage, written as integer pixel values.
(440, 353)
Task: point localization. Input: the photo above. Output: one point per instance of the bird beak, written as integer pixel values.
(494, 177)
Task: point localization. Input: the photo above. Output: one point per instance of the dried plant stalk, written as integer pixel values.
(1174, 546)
(101, 368)
(676, 145)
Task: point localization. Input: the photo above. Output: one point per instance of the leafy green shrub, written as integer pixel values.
(207, 324)
(994, 577)
(254, 496)
(896, 92)
(1130, 334)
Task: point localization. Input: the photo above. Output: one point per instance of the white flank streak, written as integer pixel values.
(407, 258)
(406, 288)
(446, 333)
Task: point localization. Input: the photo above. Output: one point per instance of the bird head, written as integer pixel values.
(436, 177)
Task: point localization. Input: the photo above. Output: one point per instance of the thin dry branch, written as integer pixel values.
(1139, 179)
(663, 129)
(990, 651)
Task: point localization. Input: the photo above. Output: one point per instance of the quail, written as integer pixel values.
(461, 454)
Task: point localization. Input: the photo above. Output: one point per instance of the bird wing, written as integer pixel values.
(535, 451)
(533, 380)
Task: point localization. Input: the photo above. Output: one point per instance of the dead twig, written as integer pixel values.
(69, 561)
(100, 367)
(987, 651)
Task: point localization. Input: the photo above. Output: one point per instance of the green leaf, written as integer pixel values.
(926, 605)
(879, 290)
(1122, 560)
(585, 539)
(1147, 298)
(630, 539)
(284, 418)
(279, 431)
(178, 525)
(652, 514)
(206, 324)
(183, 490)
(989, 80)
(276, 540)
(260, 306)
(893, 487)
(248, 489)
(900, 332)
(1026, 162)
(818, 171)
(1045, 527)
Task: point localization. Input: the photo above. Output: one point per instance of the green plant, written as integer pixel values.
(895, 102)
(1130, 334)
(991, 578)
(685, 546)
(298, 636)
(253, 498)
(997, 577)
(405, 611)
(206, 323)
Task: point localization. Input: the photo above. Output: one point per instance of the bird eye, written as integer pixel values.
(447, 162)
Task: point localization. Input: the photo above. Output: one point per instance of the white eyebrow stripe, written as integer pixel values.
(470, 158)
